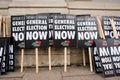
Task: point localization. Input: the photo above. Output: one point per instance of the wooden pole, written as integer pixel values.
(36, 52)
(22, 59)
(90, 59)
(0, 25)
(89, 49)
(100, 30)
(114, 28)
(4, 26)
(49, 57)
(7, 25)
(84, 58)
(65, 59)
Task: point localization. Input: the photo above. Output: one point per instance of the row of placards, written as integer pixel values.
(66, 30)
(59, 30)
(43, 30)
(6, 55)
(106, 57)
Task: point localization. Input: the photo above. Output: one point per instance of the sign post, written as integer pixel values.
(51, 41)
(0, 25)
(114, 48)
(22, 60)
(64, 33)
(17, 32)
(49, 57)
(84, 58)
(36, 32)
(104, 53)
(65, 59)
(36, 53)
(90, 59)
(86, 33)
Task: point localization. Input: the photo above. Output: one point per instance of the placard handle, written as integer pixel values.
(114, 28)
(49, 57)
(84, 58)
(22, 59)
(36, 53)
(65, 59)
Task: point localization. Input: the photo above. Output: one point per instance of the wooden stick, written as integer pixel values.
(89, 49)
(36, 52)
(49, 57)
(84, 58)
(4, 26)
(7, 25)
(65, 59)
(114, 28)
(90, 59)
(100, 30)
(22, 59)
(0, 25)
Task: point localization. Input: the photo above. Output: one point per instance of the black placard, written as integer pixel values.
(7, 53)
(36, 31)
(105, 57)
(87, 31)
(2, 43)
(51, 23)
(17, 30)
(11, 59)
(114, 46)
(64, 30)
(108, 31)
(96, 60)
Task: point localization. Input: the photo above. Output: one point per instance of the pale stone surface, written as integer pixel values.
(96, 12)
(19, 7)
(57, 73)
(94, 5)
(29, 60)
(38, 3)
(76, 56)
(20, 11)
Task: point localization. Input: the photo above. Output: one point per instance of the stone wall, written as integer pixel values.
(19, 7)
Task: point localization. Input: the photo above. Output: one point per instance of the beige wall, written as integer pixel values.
(18, 7)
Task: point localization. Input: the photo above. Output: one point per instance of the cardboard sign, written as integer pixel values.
(7, 53)
(108, 31)
(105, 57)
(36, 31)
(18, 29)
(64, 30)
(2, 43)
(11, 59)
(4, 62)
(86, 31)
(51, 23)
(114, 46)
(96, 60)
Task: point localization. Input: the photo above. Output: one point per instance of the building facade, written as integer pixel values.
(74, 55)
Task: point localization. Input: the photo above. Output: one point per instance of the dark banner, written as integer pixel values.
(36, 31)
(51, 23)
(108, 31)
(105, 57)
(96, 60)
(86, 31)
(64, 30)
(17, 30)
(11, 58)
(2, 64)
(114, 46)
(4, 60)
